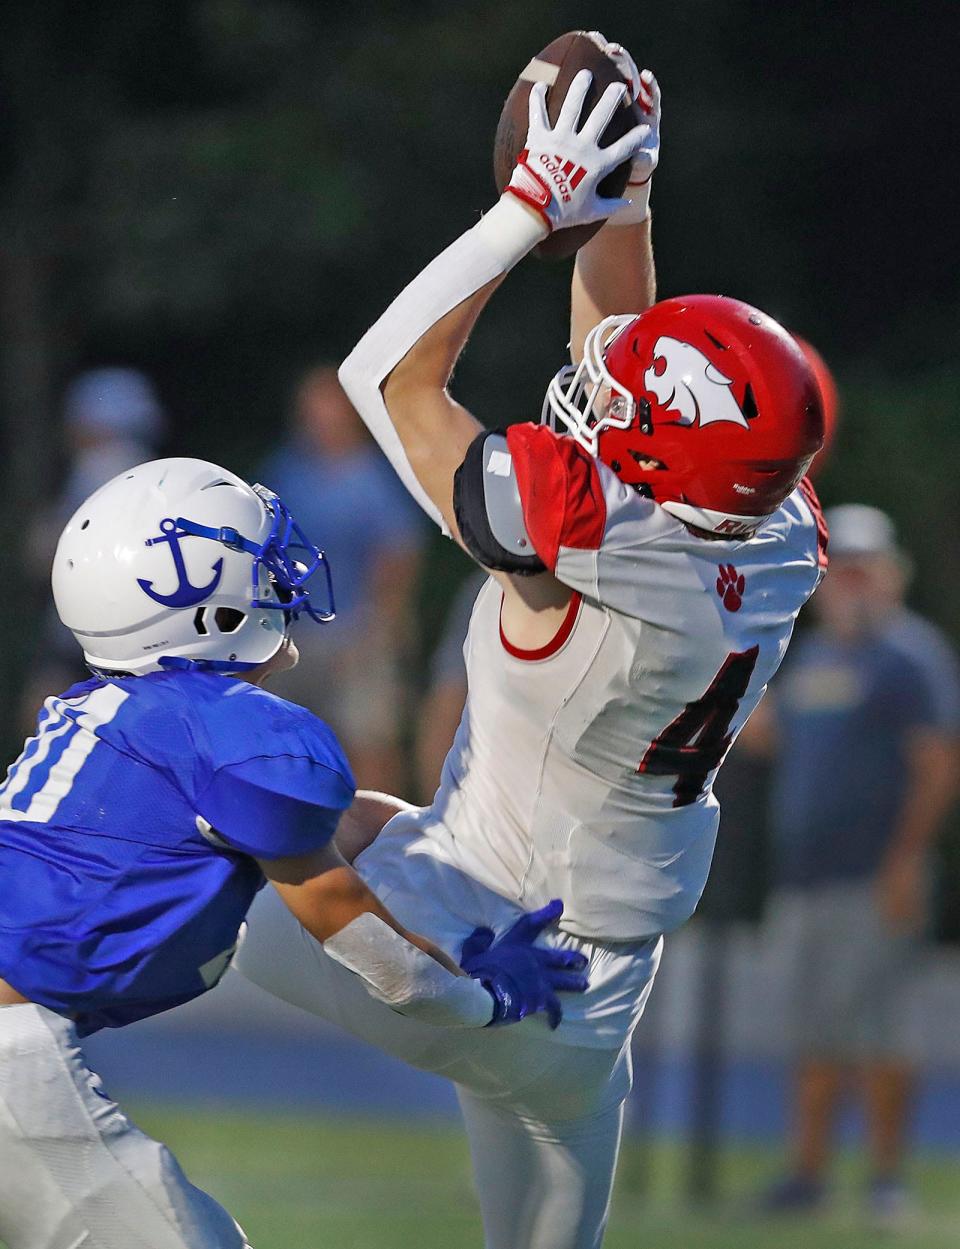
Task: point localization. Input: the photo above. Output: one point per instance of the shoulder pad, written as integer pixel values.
(486, 503)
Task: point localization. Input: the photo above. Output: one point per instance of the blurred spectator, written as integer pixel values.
(112, 420)
(865, 717)
(348, 500)
(442, 705)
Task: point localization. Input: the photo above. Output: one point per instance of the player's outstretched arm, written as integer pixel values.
(502, 980)
(325, 894)
(397, 374)
(614, 272)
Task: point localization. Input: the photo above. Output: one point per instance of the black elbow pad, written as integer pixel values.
(486, 503)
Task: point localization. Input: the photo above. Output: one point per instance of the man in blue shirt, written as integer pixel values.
(339, 484)
(139, 823)
(866, 714)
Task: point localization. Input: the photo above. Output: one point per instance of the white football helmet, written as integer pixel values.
(180, 564)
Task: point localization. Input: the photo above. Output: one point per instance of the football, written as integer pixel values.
(557, 65)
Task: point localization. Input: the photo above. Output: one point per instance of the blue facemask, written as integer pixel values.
(288, 556)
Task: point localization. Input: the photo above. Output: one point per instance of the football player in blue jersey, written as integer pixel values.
(142, 818)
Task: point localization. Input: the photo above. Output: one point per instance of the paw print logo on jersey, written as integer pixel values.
(730, 586)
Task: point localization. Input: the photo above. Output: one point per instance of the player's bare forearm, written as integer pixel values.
(324, 894)
(361, 823)
(434, 429)
(614, 273)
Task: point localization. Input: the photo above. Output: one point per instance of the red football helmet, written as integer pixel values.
(702, 403)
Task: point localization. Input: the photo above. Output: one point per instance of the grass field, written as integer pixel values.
(301, 1183)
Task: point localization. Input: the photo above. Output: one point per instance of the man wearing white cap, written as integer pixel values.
(112, 419)
(867, 711)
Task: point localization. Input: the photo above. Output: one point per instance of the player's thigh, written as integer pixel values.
(544, 1181)
(75, 1171)
(527, 1071)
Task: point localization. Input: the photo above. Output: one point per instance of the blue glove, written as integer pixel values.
(523, 978)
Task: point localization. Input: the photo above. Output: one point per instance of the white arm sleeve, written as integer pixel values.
(406, 979)
(499, 241)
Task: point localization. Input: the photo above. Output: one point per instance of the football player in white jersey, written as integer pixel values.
(650, 546)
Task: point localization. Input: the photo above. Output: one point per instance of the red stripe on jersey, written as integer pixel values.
(823, 533)
(560, 491)
(555, 643)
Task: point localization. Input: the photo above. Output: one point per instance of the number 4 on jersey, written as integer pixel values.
(692, 745)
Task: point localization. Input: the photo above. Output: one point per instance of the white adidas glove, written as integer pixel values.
(646, 91)
(558, 170)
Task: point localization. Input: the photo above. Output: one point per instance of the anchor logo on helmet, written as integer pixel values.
(186, 594)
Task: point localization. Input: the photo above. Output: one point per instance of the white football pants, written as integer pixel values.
(75, 1173)
(543, 1118)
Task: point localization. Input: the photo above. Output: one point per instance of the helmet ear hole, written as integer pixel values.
(228, 619)
(199, 622)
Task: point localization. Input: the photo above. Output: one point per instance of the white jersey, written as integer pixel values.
(584, 770)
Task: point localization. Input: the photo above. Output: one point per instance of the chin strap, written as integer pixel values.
(179, 663)
(278, 555)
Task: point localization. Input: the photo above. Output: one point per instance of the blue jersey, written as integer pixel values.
(129, 830)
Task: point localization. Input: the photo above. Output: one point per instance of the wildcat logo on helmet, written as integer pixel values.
(684, 380)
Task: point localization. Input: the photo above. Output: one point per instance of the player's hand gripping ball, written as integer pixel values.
(556, 67)
(645, 90)
(560, 168)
